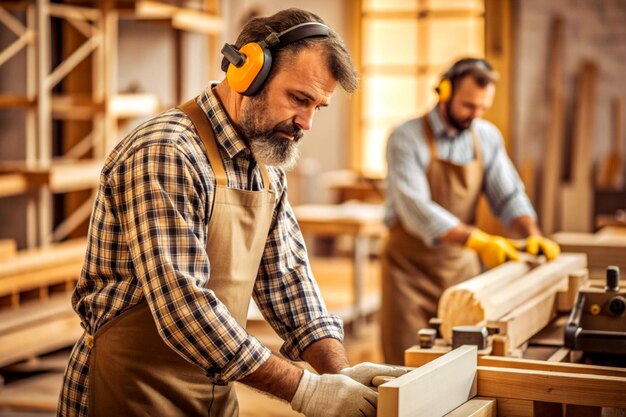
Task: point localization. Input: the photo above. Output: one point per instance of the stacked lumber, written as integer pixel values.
(37, 327)
(602, 249)
(35, 311)
(502, 290)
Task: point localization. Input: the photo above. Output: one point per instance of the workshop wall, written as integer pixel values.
(593, 30)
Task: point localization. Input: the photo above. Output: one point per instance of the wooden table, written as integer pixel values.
(361, 221)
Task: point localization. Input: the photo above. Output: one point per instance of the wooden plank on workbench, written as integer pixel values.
(493, 294)
(476, 407)
(559, 387)
(419, 391)
(529, 364)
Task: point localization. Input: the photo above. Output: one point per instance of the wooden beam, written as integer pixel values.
(577, 196)
(495, 293)
(554, 141)
(197, 21)
(34, 260)
(419, 391)
(529, 364)
(40, 337)
(476, 407)
(523, 322)
(556, 387)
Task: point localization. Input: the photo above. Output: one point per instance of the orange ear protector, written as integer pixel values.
(248, 67)
(446, 85)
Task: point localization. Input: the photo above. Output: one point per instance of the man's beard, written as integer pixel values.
(459, 125)
(266, 145)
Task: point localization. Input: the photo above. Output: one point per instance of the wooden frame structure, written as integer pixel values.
(40, 175)
(505, 386)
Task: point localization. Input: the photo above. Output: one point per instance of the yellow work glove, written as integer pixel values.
(537, 245)
(493, 250)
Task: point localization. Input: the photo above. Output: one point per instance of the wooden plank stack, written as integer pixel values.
(36, 316)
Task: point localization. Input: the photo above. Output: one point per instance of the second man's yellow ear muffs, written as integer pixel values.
(445, 86)
(444, 90)
(248, 67)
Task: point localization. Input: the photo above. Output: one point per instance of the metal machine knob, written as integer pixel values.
(612, 278)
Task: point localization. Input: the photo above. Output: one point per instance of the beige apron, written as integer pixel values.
(415, 274)
(132, 371)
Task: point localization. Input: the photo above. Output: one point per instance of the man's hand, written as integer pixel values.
(366, 371)
(333, 395)
(539, 245)
(493, 250)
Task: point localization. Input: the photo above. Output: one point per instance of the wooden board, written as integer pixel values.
(523, 322)
(556, 387)
(577, 196)
(554, 141)
(419, 391)
(492, 295)
(38, 393)
(43, 257)
(476, 407)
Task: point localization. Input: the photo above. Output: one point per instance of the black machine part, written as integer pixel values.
(598, 320)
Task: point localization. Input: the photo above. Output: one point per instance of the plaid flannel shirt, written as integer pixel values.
(147, 241)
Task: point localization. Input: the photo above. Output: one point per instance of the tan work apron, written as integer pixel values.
(415, 274)
(132, 372)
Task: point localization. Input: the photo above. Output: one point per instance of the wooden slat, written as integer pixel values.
(476, 407)
(556, 387)
(32, 260)
(522, 323)
(529, 364)
(38, 393)
(12, 184)
(554, 141)
(41, 337)
(577, 196)
(33, 312)
(611, 171)
(419, 391)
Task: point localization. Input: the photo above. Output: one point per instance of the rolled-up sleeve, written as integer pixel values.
(286, 291)
(160, 200)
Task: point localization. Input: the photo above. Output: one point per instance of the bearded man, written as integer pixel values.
(191, 221)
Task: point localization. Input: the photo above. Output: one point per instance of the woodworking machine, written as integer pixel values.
(598, 320)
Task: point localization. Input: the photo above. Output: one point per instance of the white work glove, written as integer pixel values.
(366, 371)
(333, 395)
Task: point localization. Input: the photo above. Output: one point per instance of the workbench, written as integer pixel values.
(360, 221)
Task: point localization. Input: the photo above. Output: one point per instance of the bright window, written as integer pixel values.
(405, 46)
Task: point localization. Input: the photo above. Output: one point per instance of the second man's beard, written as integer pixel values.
(459, 125)
(266, 145)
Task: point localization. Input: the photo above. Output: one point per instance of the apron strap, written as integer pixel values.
(193, 110)
(430, 138)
